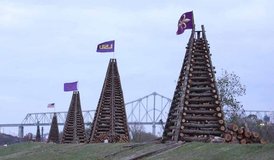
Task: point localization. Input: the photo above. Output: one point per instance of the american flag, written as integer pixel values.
(51, 105)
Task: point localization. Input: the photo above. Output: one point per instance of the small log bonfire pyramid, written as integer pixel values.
(74, 129)
(54, 131)
(110, 120)
(195, 113)
(38, 135)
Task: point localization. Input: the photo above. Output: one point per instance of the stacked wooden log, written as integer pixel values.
(54, 131)
(195, 113)
(101, 138)
(110, 121)
(242, 135)
(38, 136)
(111, 138)
(74, 129)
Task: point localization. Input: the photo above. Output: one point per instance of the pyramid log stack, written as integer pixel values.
(38, 136)
(74, 129)
(54, 131)
(110, 121)
(195, 113)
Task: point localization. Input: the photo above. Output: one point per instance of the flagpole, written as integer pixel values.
(193, 22)
(113, 55)
(193, 25)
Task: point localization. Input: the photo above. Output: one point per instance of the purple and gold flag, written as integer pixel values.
(185, 22)
(70, 86)
(106, 46)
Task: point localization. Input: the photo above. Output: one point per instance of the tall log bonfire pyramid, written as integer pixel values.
(74, 129)
(110, 120)
(195, 113)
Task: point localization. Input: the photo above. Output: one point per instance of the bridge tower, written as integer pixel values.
(20, 131)
(195, 113)
(110, 120)
(54, 131)
(74, 129)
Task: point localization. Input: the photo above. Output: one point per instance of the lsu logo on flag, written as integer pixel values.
(106, 46)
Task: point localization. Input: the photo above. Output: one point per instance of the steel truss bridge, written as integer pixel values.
(148, 111)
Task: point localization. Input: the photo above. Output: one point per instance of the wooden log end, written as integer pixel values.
(240, 136)
(247, 134)
(255, 135)
(240, 131)
(221, 121)
(181, 134)
(219, 115)
(233, 127)
(227, 137)
(222, 128)
(218, 109)
(243, 141)
(263, 141)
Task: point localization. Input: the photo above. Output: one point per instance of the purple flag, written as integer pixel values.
(106, 46)
(70, 86)
(185, 22)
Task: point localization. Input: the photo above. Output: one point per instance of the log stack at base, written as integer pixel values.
(242, 135)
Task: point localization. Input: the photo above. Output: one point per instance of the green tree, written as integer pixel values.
(138, 134)
(230, 88)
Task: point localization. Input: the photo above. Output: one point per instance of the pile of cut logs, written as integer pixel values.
(242, 135)
(111, 138)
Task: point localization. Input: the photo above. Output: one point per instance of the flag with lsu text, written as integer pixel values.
(51, 105)
(72, 86)
(186, 21)
(106, 46)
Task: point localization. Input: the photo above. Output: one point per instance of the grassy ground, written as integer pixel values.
(42, 151)
(207, 151)
(189, 151)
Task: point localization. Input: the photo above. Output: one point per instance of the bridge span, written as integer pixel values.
(150, 110)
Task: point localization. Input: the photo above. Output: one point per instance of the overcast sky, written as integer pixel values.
(46, 43)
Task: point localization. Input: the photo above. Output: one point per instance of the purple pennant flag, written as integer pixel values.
(185, 22)
(70, 86)
(106, 46)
